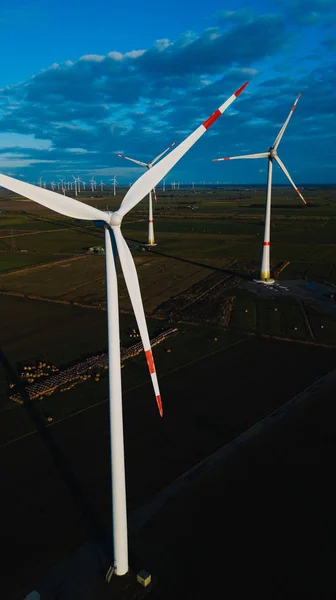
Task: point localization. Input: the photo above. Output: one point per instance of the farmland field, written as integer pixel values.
(231, 339)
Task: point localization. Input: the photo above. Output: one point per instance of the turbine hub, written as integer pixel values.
(272, 152)
(114, 219)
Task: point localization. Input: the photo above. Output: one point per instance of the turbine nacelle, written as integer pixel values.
(272, 152)
(113, 219)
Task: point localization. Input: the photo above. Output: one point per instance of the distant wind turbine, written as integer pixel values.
(149, 165)
(115, 183)
(93, 184)
(271, 154)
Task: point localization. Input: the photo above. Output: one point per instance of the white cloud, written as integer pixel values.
(115, 55)
(92, 57)
(162, 44)
(135, 53)
(19, 140)
(20, 162)
(81, 151)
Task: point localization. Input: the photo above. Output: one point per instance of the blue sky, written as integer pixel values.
(82, 81)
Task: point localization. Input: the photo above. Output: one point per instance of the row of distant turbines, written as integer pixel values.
(76, 185)
(115, 244)
(62, 185)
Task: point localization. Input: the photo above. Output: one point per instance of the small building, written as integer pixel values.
(97, 250)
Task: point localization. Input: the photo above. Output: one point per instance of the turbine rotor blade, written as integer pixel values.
(138, 162)
(57, 202)
(151, 178)
(261, 155)
(282, 130)
(162, 153)
(155, 196)
(132, 284)
(283, 168)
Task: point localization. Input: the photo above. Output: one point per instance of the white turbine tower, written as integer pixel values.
(151, 241)
(116, 244)
(93, 184)
(115, 183)
(63, 186)
(271, 155)
(75, 184)
(101, 185)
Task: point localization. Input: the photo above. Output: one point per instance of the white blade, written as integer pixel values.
(282, 130)
(57, 202)
(283, 168)
(155, 196)
(151, 178)
(132, 283)
(138, 162)
(261, 155)
(162, 153)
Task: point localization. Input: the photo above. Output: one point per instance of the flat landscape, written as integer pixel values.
(239, 353)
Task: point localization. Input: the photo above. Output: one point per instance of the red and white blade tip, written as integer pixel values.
(151, 366)
(159, 403)
(298, 192)
(242, 87)
(210, 121)
(296, 101)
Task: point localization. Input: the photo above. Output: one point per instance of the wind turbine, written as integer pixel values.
(151, 241)
(101, 185)
(63, 186)
(271, 155)
(93, 184)
(115, 244)
(115, 183)
(75, 184)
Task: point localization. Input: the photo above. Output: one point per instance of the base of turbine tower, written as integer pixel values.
(131, 585)
(149, 245)
(264, 281)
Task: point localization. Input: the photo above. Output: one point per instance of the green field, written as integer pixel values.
(188, 278)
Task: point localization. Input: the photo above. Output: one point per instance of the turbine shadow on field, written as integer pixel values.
(227, 270)
(66, 224)
(95, 526)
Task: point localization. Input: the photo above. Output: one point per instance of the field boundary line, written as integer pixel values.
(21, 270)
(284, 339)
(35, 232)
(142, 515)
